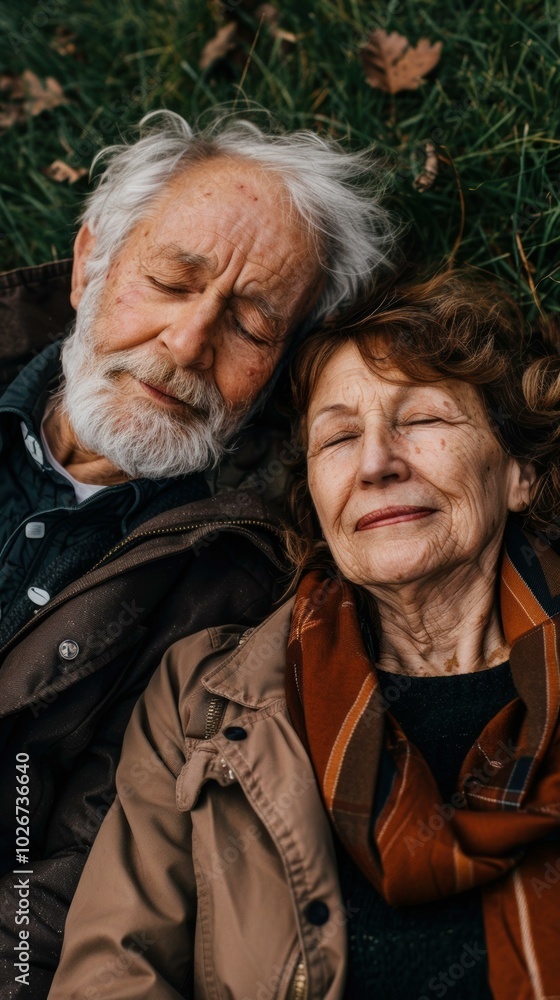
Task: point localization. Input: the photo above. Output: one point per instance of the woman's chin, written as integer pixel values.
(399, 565)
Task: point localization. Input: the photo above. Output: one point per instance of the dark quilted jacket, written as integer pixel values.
(194, 566)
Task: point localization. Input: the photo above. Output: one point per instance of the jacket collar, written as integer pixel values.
(530, 610)
(253, 675)
(27, 394)
(530, 580)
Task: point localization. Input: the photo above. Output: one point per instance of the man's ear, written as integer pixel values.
(83, 246)
(524, 475)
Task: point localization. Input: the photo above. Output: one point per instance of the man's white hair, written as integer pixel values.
(335, 193)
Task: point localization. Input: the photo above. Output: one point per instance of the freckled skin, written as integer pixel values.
(434, 577)
(256, 248)
(451, 665)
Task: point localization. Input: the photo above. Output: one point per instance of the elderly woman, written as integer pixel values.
(361, 798)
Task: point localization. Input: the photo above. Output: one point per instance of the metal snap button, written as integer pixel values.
(38, 595)
(68, 649)
(35, 529)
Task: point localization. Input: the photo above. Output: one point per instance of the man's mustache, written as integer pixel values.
(190, 387)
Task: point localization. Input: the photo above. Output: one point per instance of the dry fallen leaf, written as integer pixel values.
(25, 95)
(60, 171)
(12, 86)
(64, 41)
(224, 41)
(8, 117)
(392, 64)
(269, 15)
(41, 97)
(425, 180)
(229, 39)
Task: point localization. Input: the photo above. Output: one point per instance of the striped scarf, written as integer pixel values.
(501, 830)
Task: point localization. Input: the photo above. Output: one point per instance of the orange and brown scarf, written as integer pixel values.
(502, 830)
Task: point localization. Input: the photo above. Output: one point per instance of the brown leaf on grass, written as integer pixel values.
(228, 42)
(41, 97)
(392, 64)
(225, 40)
(269, 16)
(11, 85)
(25, 95)
(63, 41)
(60, 171)
(425, 180)
(8, 117)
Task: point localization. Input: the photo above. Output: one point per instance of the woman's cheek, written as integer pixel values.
(316, 480)
(329, 484)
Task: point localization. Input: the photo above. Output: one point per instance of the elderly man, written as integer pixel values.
(201, 257)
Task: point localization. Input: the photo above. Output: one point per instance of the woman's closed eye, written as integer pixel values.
(421, 420)
(339, 438)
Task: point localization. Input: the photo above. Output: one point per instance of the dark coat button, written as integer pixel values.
(235, 733)
(317, 912)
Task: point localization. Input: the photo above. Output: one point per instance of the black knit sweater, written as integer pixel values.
(434, 949)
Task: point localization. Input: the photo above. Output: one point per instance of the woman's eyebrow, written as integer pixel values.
(401, 392)
(334, 408)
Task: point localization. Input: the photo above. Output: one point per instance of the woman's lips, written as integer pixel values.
(392, 515)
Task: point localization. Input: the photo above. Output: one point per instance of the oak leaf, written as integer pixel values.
(25, 95)
(231, 40)
(392, 64)
(41, 97)
(60, 171)
(225, 40)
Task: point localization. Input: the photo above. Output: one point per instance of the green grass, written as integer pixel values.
(495, 99)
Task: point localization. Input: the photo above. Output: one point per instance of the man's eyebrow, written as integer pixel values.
(264, 306)
(186, 259)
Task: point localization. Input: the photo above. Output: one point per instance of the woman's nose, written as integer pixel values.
(191, 336)
(380, 458)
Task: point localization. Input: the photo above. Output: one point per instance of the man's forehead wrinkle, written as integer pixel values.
(252, 230)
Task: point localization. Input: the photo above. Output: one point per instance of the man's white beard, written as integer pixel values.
(140, 436)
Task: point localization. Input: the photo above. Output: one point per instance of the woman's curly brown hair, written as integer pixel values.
(453, 325)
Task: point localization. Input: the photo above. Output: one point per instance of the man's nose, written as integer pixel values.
(190, 335)
(381, 458)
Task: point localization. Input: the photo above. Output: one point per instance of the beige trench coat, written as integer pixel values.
(213, 875)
